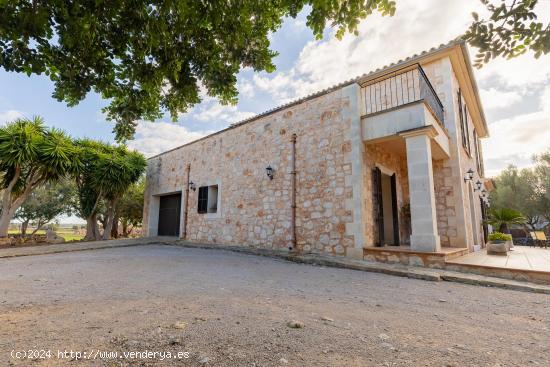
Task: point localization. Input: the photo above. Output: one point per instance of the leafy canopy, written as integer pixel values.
(31, 154)
(511, 30)
(107, 172)
(46, 203)
(148, 57)
(151, 57)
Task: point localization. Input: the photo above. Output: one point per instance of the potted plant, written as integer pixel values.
(503, 219)
(499, 243)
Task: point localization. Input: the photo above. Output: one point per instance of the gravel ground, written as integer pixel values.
(227, 309)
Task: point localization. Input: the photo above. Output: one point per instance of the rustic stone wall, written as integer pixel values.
(376, 155)
(334, 195)
(452, 193)
(254, 210)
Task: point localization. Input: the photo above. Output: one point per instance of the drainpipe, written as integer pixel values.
(184, 234)
(293, 194)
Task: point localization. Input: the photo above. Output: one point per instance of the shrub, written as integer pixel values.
(497, 236)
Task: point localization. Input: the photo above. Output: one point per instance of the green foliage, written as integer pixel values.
(31, 154)
(148, 57)
(503, 218)
(46, 203)
(510, 31)
(107, 172)
(497, 236)
(526, 190)
(130, 207)
(518, 190)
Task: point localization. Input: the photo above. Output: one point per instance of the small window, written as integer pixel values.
(208, 199)
(461, 113)
(203, 200)
(467, 131)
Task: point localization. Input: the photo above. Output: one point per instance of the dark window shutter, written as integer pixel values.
(377, 203)
(461, 114)
(203, 200)
(395, 210)
(467, 130)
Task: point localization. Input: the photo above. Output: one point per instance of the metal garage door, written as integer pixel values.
(169, 215)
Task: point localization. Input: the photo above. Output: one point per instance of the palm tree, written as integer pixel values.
(31, 155)
(108, 171)
(115, 174)
(503, 218)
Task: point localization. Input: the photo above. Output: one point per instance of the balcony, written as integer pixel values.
(400, 88)
(398, 103)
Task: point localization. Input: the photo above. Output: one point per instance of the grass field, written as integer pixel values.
(67, 234)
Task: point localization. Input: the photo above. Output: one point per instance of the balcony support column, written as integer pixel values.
(424, 236)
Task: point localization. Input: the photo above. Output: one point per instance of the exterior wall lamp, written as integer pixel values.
(469, 175)
(192, 186)
(478, 186)
(269, 171)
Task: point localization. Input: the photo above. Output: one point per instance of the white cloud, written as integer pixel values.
(152, 138)
(494, 98)
(216, 112)
(10, 115)
(246, 89)
(417, 26)
(517, 139)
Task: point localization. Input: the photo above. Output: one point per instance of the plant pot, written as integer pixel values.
(498, 247)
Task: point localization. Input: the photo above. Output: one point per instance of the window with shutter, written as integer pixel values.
(461, 113)
(203, 200)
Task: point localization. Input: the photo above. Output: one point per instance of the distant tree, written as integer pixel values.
(130, 208)
(45, 204)
(31, 155)
(542, 170)
(150, 57)
(518, 190)
(108, 171)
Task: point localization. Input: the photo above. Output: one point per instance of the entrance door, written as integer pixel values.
(386, 211)
(169, 215)
(475, 229)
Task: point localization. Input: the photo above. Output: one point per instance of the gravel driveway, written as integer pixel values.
(227, 309)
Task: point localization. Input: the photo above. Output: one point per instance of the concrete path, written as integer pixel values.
(80, 246)
(412, 272)
(521, 257)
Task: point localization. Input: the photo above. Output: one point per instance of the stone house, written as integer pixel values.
(392, 157)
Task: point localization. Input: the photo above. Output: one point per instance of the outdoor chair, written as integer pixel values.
(539, 238)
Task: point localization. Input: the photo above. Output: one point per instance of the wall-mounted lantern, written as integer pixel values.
(269, 171)
(469, 175)
(192, 186)
(478, 186)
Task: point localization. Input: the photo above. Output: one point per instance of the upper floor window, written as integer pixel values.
(208, 199)
(479, 158)
(464, 126)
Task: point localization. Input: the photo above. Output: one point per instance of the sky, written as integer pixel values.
(515, 93)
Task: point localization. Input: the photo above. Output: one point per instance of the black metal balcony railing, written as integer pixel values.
(399, 88)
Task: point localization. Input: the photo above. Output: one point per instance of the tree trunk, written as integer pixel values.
(114, 230)
(4, 224)
(124, 228)
(110, 217)
(24, 226)
(92, 232)
(504, 228)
